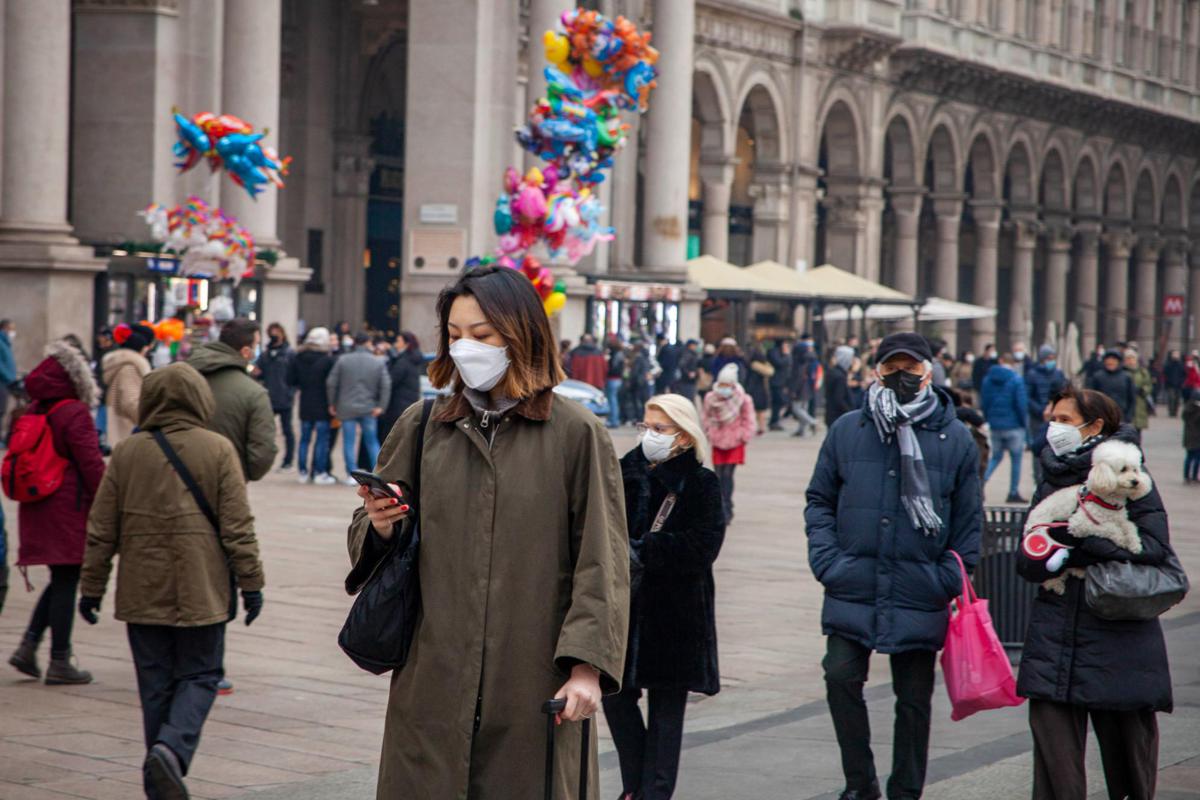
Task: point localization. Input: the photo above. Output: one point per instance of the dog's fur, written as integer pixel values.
(1117, 477)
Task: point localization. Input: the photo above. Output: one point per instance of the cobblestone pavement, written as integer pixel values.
(304, 724)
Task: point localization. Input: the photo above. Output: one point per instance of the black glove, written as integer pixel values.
(252, 602)
(88, 606)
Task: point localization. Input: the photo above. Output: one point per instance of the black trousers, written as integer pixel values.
(289, 434)
(725, 476)
(1128, 750)
(846, 664)
(779, 404)
(177, 674)
(647, 750)
(55, 610)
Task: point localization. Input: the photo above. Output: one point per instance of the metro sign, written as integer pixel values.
(1173, 305)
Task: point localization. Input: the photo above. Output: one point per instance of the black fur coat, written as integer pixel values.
(672, 627)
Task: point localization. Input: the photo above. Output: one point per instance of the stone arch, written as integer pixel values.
(1193, 208)
(1018, 175)
(759, 113)
(985, 180)
(1145, 198)
(1054, 191)
(1173, 218)
(841, 137)
(943, 172)
(900, 149)
(1116, 191)
(710, 107)
(1086, 187)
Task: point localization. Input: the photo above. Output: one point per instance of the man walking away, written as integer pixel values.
(359, 389)
(895, 489)
(981, 368)
(8, 373)
(308, 372)
(780, 357)
(837, 384)
(173, 586)
(587, 363)
(1042, 381)
(689, 370)
(668, 356)
(614, 381)
(1174, 374)
(272, 370)
(1006, 407)
(1115, 382)
(243, 412)
(803, 393)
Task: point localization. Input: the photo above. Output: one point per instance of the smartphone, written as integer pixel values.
(378, 486)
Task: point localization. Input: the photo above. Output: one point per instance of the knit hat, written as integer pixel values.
(728, 374)
(318, 339)
(1046, 351)
(133, 337)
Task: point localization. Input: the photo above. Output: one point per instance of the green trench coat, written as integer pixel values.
(524, 573)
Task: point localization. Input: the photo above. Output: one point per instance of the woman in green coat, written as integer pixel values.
(1144, 383)
(524, 558)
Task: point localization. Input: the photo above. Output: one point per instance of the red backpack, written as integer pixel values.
(32, 469)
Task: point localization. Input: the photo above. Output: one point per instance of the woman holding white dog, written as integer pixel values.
(1076, 666)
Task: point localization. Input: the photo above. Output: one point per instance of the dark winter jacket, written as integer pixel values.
(782, 362)
(1003, 400)
(1191, 424)
(273, 365)
(1174, 373)
(673, 629)
(307, 372)
(837, 394)
(616, 364)
(243, 413)
(689, 366)
(1072, 656)
(804, 366)
(887, 584)
(405, 372)
(1041, 382)
(54, 530)
(1119, 386)
(980, 370)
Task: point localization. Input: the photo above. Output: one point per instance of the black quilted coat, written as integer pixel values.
(1072, 656)
(672, 626)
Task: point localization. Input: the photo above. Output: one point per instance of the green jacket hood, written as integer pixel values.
(214, 356)
(176, 396)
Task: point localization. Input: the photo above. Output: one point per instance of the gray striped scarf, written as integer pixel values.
(892, 418)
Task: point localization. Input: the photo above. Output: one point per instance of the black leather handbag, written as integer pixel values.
(379, 629)
(1119, 590)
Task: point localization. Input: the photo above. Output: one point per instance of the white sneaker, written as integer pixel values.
(303, 478)
(350, 482)
(325, 479)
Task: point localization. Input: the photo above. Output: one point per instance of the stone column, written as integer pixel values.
(1020, 307)
(1119, 243)
(543, 16)
(1192, 324)
(804, 215)
(716, 178)
(770, 191)
(987, 241)
(843, 221)
(1145, 283)
(906, 204)
(669, 121)
(1058, 267)
(1175, 281)
(1085, 311)
(351, 184)
(948, 211)
(250, 90)
(46, 278)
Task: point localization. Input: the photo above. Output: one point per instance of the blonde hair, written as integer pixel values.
(683, 413)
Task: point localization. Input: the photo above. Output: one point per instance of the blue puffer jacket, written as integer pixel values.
(887, 584)
(1004, 401)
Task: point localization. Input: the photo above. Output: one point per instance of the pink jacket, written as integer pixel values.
(737, 431)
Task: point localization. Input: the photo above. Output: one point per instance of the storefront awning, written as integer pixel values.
(935, 309)
(720, 278)
(827, 283)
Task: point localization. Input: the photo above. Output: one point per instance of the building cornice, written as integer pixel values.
(165, 7)
(738, 28)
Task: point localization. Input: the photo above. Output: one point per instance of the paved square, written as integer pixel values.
(304, 723)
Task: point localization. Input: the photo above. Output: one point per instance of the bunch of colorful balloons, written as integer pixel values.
(229, 143)
(209, 241)
(598, 67)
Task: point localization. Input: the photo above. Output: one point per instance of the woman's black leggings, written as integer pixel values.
(56, 610)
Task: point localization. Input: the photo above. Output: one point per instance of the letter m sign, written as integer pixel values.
(1173, 305)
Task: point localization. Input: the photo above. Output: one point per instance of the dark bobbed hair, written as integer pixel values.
(1092, 406)
(239, 333)
(513, 307)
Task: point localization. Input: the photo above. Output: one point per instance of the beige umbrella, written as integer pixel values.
(1070, 360)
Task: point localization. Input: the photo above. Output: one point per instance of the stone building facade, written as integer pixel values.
(1034, 156)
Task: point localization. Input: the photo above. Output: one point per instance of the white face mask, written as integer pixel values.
(725, 391)
(481, 366)
(1063, 438)
(657, 446)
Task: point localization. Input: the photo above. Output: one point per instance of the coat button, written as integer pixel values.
(891, 473)
(886, 522)
(941, 436)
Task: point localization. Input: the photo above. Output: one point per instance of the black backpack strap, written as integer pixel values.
(188, 480)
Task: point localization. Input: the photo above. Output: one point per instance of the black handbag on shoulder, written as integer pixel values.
(379, 629)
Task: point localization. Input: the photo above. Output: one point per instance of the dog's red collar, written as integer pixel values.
(1088, 497)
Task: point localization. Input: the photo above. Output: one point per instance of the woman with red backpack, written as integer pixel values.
(53, 469)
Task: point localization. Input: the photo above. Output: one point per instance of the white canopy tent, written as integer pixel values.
(934, 309)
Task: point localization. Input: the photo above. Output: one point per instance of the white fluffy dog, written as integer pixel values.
(1097, 508)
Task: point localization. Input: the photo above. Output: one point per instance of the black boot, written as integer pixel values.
(162, 774)
(24, 658)
(871, 793)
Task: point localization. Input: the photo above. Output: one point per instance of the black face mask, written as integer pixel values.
(904, 384)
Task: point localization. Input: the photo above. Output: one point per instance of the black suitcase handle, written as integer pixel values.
(551, 708)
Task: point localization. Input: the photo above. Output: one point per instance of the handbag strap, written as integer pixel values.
(968, 588)
(426, 409)
(188, 480)
(664, 511)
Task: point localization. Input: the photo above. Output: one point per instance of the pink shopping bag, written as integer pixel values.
(974, 664)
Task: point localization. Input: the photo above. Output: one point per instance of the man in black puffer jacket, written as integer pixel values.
(1115, 382)
(895, 489)
(1075, 665)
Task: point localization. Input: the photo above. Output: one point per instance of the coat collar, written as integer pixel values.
(672, 473)
(535, 408)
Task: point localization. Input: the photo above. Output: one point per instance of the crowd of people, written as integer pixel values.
(623, 603)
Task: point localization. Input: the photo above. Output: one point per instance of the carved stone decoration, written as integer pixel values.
(753, 33)
(842, 212)
(857, 49)
(1119, 243)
